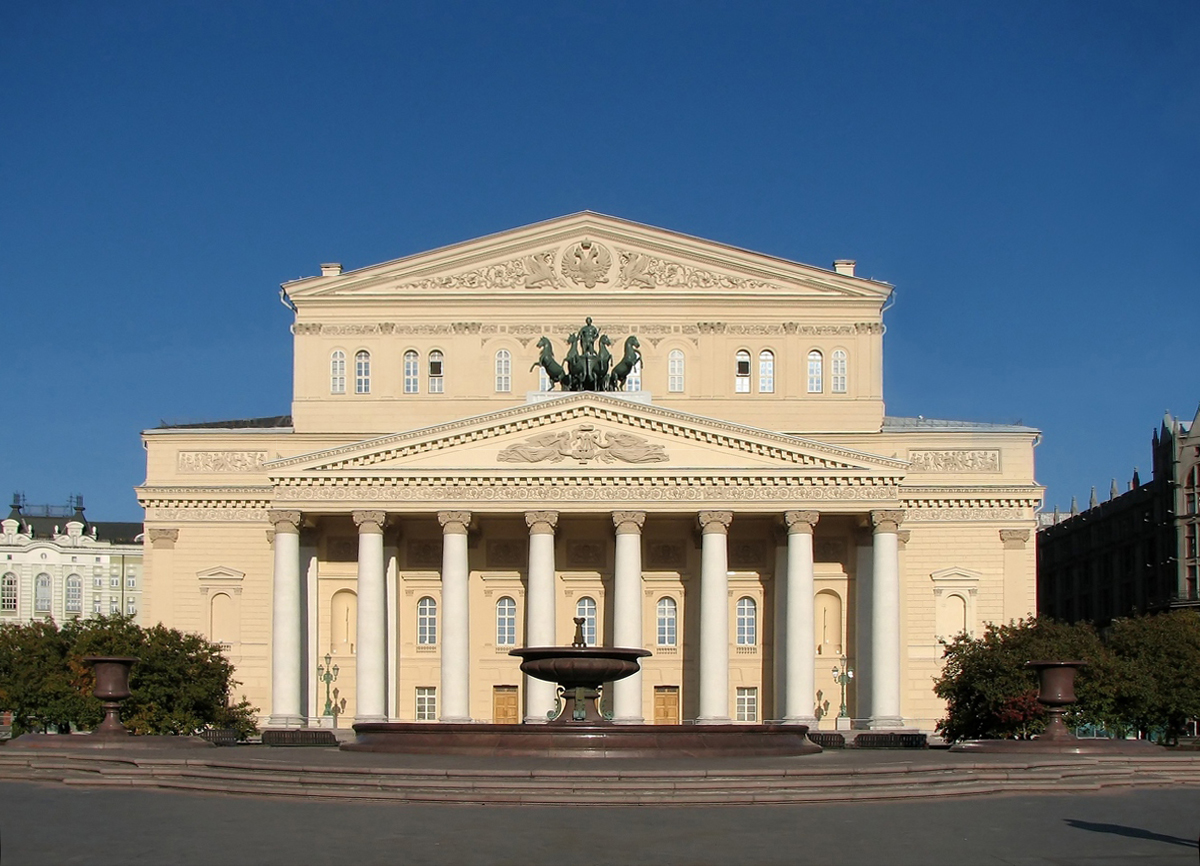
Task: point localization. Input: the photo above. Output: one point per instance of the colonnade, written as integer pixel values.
(878, 612)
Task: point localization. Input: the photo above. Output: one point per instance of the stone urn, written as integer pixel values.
(112, 687)
(1056, 693)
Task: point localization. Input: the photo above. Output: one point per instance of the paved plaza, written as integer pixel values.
(52, 824)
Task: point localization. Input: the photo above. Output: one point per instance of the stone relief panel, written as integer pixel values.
(955, 461)
(584, 444)
(423, 553)
(219, 461)
(530, 272)
(639, 270)
(586, 554)
(666, 554)
(938, 514)
(216, 515)
(506, 553)
(830, 550)
(747, 554)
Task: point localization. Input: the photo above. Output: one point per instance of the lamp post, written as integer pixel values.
(327, 675)
(842, 675)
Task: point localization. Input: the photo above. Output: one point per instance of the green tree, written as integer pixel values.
(1158, 676)
(180, 685)
(989, 692)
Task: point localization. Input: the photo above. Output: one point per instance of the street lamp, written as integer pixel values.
(842, 675)
(327, 675)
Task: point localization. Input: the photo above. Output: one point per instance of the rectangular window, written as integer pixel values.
(114, 606)
(436, 382)
(747, 704)
(426, 704)
(98, 582)
(96, 604)
(131, 582)
(130, 606)
(114, 582)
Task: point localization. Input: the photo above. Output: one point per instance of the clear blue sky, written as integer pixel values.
(1026, 174)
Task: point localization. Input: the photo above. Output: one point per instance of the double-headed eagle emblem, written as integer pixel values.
(587, 262)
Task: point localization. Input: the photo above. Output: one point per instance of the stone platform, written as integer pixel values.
(584, 741)
(834, 776)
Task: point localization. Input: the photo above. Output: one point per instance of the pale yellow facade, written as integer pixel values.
(418, 450)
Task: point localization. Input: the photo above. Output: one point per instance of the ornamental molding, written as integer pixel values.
(953, 461)
(958, 514)
(584, 444)
(528, 272)
(214, 515)
(220, 461)
(584, 407)
(642, 270)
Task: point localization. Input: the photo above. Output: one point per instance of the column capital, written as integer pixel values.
(369, 521)
(454, 522)
(1014, 539)
(628, 521)
(801, 521)
(887, 521)
(162, 538)
(285, 521)
(543, 522)
(715, 521)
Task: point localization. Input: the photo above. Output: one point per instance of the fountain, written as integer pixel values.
(1056, 692)
(576, 728)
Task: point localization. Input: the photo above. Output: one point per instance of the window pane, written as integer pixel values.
(426, 622)
(667, 610)
(8, 593)
(746, 622)
(747, 705)
(633, 382)
(41, 596)
(742, 380)
(337, 372)
(815, 373)
(411, 372)
(503, 371)
(766, 372)
(675, 371)
(426, 704)
(74, 594)
(435, 372)
(506, 622)
(838, 373)
(362, 373)
(585, 608)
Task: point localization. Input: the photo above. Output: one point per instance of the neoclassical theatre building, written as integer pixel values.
(742, 506)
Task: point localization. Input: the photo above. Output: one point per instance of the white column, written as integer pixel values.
(456, 632)
(714, 617)
(627, 611)
(539, 608)
(885, 621)
(372, 619)
(780, 619)
(801, 645)
(287, 644)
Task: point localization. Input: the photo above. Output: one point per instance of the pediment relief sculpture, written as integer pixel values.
(584, 444)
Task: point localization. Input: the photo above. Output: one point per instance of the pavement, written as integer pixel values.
(57, 824)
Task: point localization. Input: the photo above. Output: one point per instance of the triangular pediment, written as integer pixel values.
(588, 432)
(587, 254)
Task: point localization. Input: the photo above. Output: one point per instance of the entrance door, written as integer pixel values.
(666, 705)
(504, 705)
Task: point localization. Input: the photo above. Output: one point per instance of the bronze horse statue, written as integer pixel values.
(554, 370)
(616, 379)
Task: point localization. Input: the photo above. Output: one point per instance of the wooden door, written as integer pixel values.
(666, 705)
(505, 706)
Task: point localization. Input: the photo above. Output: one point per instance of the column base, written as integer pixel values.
(811, 721)
(285, 720)
(629, 721)
(884, 722)
(843, 723)
(455, 720)
(536, 720)
(721, 721)
(365, 720)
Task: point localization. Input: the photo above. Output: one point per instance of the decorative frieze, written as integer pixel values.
(951, 461)
(956, 514)
(584, 444)
(220, 461)
(214, 515)
(300, 328)
(639, 270)
(431, 491)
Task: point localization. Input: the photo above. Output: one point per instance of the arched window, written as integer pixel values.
(741, 384)
(436, 382)
(544, 383)
(585, 608)
(633, 382)
(503, 372)
(74, 593)
(816, 372)
(426, 622)
(766, 372)
(343, 622)
(506, 622)
(667, 610)
(362, 372)
(747, 622)
(675, 371)
(837, 373)
(8, 593)
(827, 626)
(412, 372)
(41, 594)
(337, 372)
